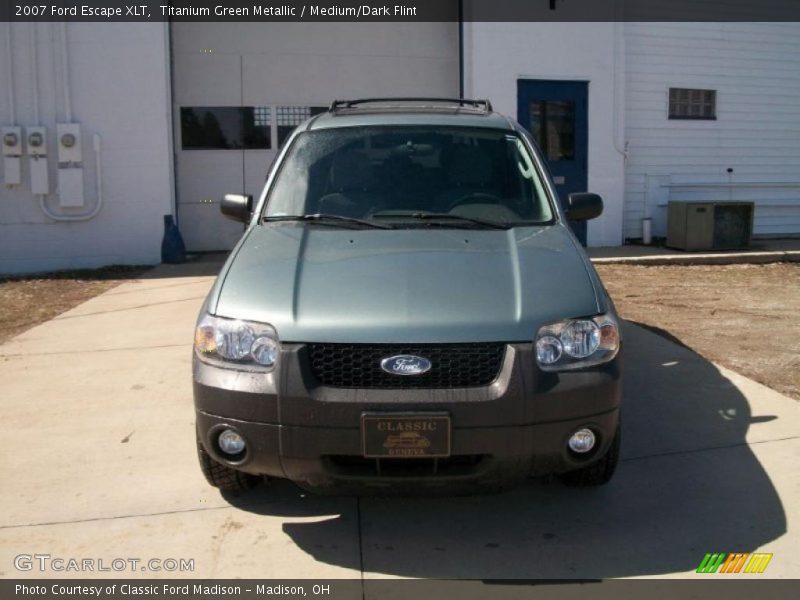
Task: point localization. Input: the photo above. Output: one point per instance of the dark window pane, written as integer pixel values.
(290, 117)
(536, 112)
(256, 133)
(553, 128)
(225, 127)
(692, 104)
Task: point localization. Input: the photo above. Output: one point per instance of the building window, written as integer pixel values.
(553, 128)
(692, 104)
(261, 116)
(289, 117)
(225, 128)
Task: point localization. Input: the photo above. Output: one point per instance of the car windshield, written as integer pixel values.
(410, 177)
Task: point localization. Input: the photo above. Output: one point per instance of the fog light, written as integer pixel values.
(582, 441)
(231, 442)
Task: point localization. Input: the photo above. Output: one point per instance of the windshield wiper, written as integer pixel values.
(326, 219)
(424, 216)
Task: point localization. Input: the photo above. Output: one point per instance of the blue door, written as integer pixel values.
(555, 113)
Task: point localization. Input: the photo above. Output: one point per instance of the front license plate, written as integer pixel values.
(405, 435)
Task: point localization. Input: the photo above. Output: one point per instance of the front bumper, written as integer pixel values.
(502, 433)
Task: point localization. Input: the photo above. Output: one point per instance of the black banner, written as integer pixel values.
(399, 10)
(710, 587)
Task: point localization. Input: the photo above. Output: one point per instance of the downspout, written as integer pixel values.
(460, 48)
(619, 145)
(173, 248)
(171, 119)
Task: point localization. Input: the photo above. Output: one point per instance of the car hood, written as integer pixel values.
(319, 284)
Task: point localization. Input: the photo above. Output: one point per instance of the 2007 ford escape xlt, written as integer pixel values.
(408, 310)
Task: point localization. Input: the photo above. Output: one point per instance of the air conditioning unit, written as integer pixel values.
(709, 225)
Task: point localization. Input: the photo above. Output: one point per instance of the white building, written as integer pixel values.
(156, 103)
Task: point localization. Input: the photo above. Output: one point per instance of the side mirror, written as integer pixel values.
(583, 206)
(238, 207)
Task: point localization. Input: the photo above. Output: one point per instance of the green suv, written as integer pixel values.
(408, 311)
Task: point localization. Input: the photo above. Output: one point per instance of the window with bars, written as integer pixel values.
(289, 117)
(687, 103)
(261, 116)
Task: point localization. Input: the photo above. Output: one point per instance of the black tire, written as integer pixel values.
(222, 476)
(598, 473)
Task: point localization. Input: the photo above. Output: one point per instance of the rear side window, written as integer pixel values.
(361, 171)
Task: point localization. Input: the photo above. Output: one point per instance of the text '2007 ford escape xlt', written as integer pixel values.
(408, 310)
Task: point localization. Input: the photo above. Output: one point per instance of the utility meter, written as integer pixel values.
(10, 139)
(12, 151)
(36, 138)
(69, 143)
(70, 165)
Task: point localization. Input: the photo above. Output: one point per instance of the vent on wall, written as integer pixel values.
(709, 225)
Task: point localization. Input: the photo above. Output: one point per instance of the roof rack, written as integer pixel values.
(483, 105)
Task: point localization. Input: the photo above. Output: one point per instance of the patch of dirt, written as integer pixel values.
(745, 317)
(30, 300)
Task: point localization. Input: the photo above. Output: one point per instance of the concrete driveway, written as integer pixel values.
(98, 461)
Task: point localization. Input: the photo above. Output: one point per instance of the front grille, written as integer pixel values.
(452, 365)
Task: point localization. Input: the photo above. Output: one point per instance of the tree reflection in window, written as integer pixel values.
(225, 127)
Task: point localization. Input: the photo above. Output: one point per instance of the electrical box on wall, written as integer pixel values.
(70, 188)
(11, 140)
(69, 143)
(70, 165)
(36, 142)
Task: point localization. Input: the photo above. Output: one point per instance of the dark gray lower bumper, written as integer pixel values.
(328, 460)
(503, 433)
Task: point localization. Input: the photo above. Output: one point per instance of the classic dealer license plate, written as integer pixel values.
(405, 435)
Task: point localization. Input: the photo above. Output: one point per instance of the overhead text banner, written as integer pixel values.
(399, 10)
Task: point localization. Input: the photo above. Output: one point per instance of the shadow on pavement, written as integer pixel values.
(688, 484)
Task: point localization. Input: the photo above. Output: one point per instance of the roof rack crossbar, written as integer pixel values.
(481, 104)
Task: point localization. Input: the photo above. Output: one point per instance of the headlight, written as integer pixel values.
(231, 342)
(577, 343)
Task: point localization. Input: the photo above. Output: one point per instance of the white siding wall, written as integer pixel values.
(499, 54)
(120, 90)
(755, 68)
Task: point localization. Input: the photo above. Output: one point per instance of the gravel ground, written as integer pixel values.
(744, 317)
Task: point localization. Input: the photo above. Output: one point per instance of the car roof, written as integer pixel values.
(404, 111)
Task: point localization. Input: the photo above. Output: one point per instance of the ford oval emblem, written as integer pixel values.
(406, 364)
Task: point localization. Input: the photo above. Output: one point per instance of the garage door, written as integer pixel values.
(240, 88)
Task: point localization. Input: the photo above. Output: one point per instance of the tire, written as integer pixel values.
(598, 473)
(223, 477)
